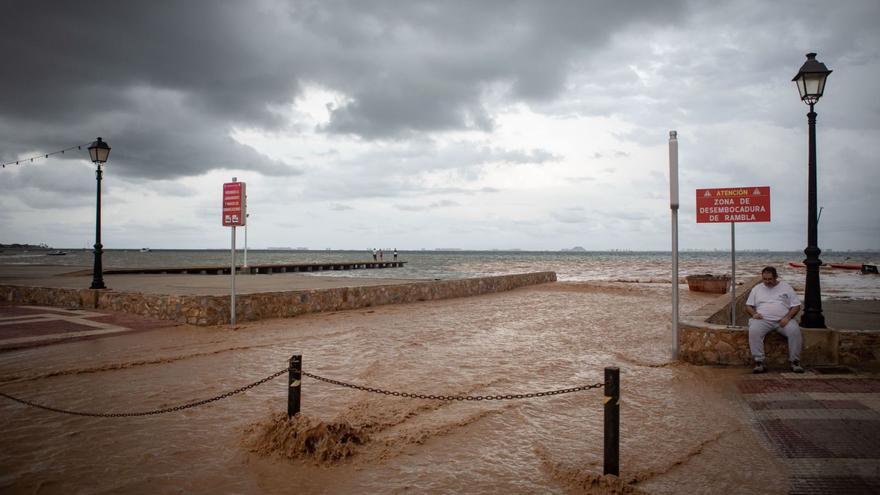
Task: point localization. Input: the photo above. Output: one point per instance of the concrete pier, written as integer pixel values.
(263, 269)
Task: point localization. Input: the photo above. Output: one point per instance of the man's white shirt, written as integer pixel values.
(773, 302)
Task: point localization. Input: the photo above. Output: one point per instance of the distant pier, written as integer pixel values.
(263, 269)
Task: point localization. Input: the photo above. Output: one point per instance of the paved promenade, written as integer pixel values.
(180, 284)
(29, 326)
(824, 427)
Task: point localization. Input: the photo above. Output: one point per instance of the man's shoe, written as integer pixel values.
(796, 366)
(759, 367)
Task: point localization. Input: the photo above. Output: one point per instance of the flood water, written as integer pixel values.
(613, 266)
(683, 429)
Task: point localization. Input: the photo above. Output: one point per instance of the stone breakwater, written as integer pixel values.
(214, 310)
(705, 337)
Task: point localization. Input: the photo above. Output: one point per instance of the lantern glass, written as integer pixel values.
(99, 151)
(811, 79)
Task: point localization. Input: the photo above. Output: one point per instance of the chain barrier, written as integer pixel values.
(454, 397)
(316, 377)
(148, 413)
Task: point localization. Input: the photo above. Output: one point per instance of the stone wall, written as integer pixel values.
(214, 310)
(44, 296)
(705, 343)
(856, 347)
(705, 338)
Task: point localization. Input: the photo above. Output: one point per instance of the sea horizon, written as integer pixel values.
(652, 267)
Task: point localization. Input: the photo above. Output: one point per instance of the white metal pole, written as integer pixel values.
(246, 216)
(732, 274)
(232, 271)
(673, 205)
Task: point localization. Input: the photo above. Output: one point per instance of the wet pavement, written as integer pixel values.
(29, 326)
(824, 427)
(72, 277)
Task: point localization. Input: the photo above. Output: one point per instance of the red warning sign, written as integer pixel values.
(737, 204)
(234, 206)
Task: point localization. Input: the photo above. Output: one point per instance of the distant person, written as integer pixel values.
(395, 254)
(374, 254)
(772, 305)
(380, 255)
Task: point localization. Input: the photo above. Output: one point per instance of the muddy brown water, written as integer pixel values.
(683, 428)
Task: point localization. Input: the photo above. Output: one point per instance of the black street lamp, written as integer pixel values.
(811, 84)
(98, 151)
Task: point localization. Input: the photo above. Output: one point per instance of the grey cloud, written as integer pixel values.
(52, 183)
(690, 76)
(411, 207)
(433, 206)
(403, 170)
(340, 207)
(429, 65)
(171, 188)
(421, 156)
(406, 67)
(623, 214)
(571, 215)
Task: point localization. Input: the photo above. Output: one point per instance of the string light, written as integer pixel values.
(44, 156)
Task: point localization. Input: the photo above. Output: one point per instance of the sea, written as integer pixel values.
(654, 267)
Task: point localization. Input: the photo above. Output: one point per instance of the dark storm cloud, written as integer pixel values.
(428, 64)
(165, 82)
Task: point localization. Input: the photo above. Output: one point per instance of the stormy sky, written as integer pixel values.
(409, 124)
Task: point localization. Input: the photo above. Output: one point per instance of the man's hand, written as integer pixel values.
(784, 321)
(758, 316)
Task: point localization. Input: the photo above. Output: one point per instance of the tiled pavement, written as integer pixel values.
(27, 326)
(824, 427)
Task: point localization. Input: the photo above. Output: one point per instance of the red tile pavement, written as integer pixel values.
(832, 385)
(36, 328)
(838, 485)
(27, 326)
(10, 311)
(830, 452)
(825, 438)
(806, 404)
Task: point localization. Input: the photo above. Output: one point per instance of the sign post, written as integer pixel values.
(732, 205)
(673, 205)
(234, 215)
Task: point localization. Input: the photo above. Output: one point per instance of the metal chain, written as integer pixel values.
(316, 377)
(454, 397)
(148, 413)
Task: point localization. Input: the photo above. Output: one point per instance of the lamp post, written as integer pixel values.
(810, 81)
(98, 151)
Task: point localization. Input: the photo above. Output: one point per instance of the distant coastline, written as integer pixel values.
(26, 246)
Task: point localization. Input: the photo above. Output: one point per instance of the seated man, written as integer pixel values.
(773, 305)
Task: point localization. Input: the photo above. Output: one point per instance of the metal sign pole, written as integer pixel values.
(673, 205)
(733, 274)
(232, 272)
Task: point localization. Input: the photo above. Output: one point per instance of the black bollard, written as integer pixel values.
(612, 421)
(294, 384)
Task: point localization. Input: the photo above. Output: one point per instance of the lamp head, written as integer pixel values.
(811, 79)
(99, 151)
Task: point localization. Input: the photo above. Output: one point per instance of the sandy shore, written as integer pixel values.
(684, 428)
